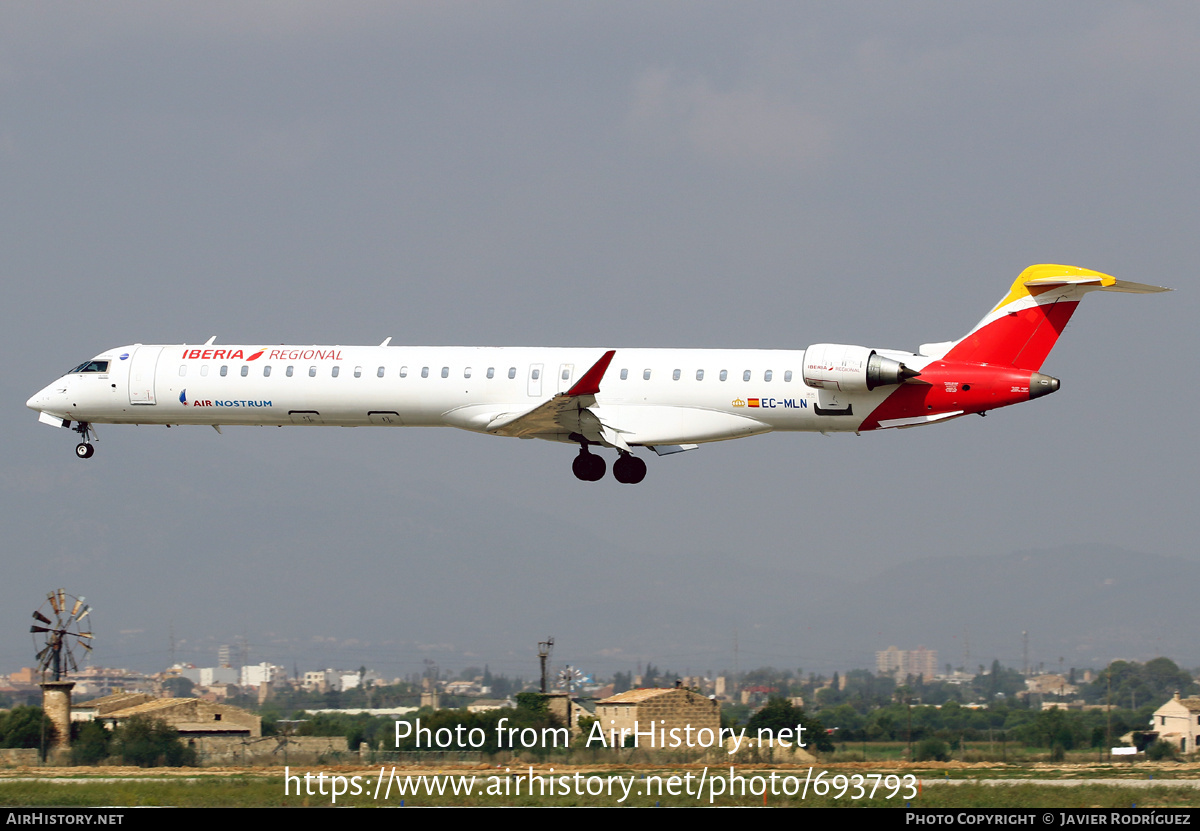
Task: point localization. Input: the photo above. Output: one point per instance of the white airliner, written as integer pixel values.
(668, 400)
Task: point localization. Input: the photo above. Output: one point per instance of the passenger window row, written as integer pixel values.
(677, 374)
(335, 371)
(381, 372)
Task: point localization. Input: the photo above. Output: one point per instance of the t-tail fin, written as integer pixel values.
(1024, 326)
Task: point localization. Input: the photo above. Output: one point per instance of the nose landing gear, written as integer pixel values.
(84, 449)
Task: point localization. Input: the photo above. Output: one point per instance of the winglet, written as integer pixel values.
(589, 384)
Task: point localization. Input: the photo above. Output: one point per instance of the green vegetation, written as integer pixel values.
(1125, 684)
(149, 742)
(781, 714)
(465, 731)
(90, 743)
(24, 727)
(248, 791)
(932, 750)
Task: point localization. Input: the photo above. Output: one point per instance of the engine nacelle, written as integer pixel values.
(835, 366)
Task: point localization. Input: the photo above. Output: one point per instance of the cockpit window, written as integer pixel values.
(91, 366)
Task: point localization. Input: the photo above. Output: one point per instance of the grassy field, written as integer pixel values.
(1069, 786)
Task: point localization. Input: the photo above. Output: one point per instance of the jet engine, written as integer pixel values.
(835, 366)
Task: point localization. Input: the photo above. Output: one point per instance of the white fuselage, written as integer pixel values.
(656, 396)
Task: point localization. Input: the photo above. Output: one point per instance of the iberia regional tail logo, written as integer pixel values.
(183, 397)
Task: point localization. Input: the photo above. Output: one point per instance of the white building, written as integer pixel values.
(256, 676)
(1178, 722)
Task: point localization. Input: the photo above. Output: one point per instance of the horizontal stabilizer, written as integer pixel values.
(1023, 327)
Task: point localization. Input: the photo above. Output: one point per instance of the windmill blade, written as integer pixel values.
(86, 645)
(71, 665)
(39, 629)
(78, 605)
(54, 604)
(41, 617)
(87, 610)
(62, 600)
(87, 635)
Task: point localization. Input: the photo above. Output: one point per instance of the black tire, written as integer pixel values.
(581, 468)
(637, 470)
(596, 468)
(629, 470)
(84, 450)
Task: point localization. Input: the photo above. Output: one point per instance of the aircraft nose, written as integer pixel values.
(41, 399)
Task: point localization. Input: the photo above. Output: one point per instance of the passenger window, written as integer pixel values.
(491, 373)
(445, 372)
(358, 372)
(182, 370)
(675, 375)
(746, 375)
(768, 375)
(290, 369)
(335, 371)
(537, 373)
(204, 370)
(512, 372)
(312, 372)
(379, 372)
(424, 372)
(467, 372)
(403, 372)
(787, 377)
(724, 374)
(566, 374)
(266, 370)
(245, 370)
(646, 375)
(699, 374)
(224, 371)
(624, 374)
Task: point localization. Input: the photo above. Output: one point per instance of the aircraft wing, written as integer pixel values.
(561, 413)
(672, 428)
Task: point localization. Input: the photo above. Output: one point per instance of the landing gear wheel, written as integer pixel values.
(629, 470)
(84, 450)
(587, 467)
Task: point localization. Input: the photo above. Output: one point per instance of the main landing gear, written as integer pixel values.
(84, 449)
(628, 469)
(587, 467)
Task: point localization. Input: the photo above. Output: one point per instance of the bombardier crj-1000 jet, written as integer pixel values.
(667, 400)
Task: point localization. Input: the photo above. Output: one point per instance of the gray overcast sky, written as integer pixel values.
(608, 174)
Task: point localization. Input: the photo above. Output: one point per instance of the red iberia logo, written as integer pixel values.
(219, 354)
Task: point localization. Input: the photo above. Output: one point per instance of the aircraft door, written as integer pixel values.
(141, 374)
(535, 380)
(566, 374)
